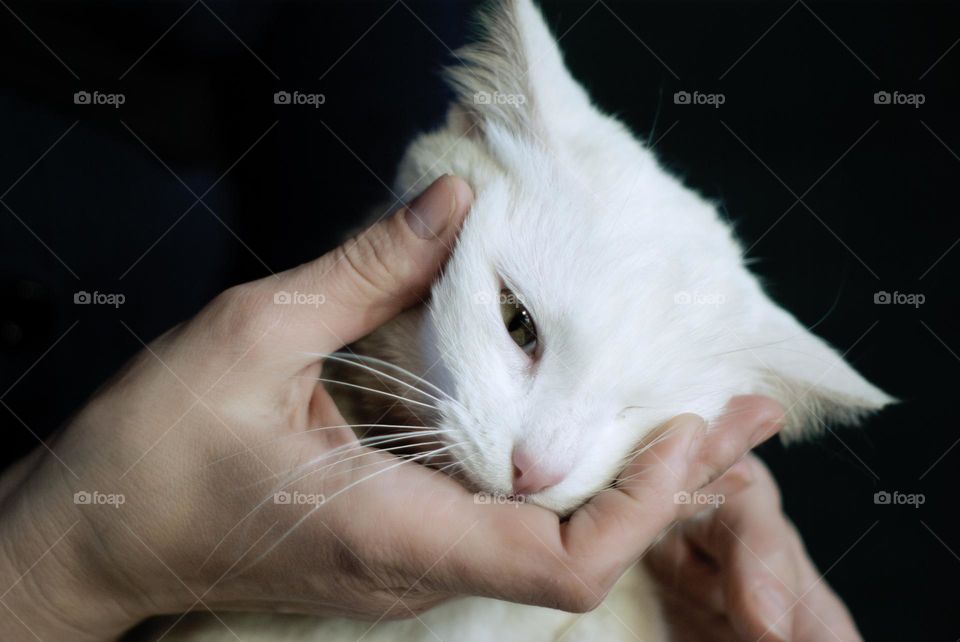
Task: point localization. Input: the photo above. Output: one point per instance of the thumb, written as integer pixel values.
(384, 269)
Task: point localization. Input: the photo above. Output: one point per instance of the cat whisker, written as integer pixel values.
(375, 391)
(311, 430)
(397, 368)
(432, 453)
(442, 470)
(339, 359)
(459, 462)
(373, 444)
(306, 516)
(644, 447)
(347, 358)
(454, 463)
(636, 475)
(374, 452)
(266, 499)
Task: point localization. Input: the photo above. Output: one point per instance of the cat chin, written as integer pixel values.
(563, 504)
(563, 507)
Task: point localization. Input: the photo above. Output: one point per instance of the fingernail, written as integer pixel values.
(429, 214)
(773, 612)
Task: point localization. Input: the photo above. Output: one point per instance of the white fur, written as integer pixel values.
(604, 247)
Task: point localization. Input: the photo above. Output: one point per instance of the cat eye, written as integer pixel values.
(519, 322)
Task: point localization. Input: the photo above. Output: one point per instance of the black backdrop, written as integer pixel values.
(98, 198)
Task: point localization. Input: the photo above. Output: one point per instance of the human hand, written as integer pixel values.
(741, 572)
(184, 433)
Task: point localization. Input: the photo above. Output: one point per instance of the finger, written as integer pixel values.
(756, 549)
(508, 551)
(626, 519)
(377, 274)
(682, 569)
(766, 568)
(822, 615)
(687, 624)
(746, 422)
(680, 563)
(525, 554)
(715, 494)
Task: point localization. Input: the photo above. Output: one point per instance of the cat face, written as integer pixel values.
(591, 296)
(605, 345)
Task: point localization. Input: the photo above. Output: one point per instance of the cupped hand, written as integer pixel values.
(739, 571)
(159, 495)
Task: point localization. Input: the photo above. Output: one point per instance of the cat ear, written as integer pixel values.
(512, 79)
(809, 378)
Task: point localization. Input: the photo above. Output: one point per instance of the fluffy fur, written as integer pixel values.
(639, 289)
(644, 306)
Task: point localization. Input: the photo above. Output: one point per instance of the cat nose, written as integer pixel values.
(530, 475)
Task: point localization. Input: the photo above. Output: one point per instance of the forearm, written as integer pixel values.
(50, 588)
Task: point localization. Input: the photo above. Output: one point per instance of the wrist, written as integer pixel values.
(55, 584)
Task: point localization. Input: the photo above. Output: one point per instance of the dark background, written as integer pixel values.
(92, 208)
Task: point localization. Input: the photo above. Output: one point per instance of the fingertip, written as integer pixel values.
(678, 434)
(756, 409)
(462, 192)
(773, 612)
(691, 425)
(439, 209)
(765, 416)
(744, 470)
(737, 478)
(758, 579)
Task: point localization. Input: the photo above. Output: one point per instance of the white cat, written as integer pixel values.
(591, 296)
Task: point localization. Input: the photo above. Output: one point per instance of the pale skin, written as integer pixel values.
(186, 430)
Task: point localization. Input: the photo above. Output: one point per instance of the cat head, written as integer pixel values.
(591, 295)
